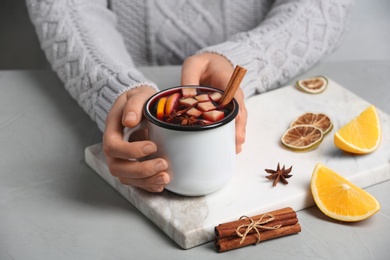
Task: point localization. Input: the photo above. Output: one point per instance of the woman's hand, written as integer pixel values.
(150, 174)
(215, 70)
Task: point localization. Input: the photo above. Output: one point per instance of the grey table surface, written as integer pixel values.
(53, 206)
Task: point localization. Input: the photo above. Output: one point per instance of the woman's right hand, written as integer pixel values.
(150, 174)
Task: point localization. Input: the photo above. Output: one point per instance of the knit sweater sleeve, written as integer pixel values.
(294, 36)
(81, 43)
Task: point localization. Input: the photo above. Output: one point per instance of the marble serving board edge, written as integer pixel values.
(190, 221)
(152, 205)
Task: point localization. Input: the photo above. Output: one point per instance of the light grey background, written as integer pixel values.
(19, 46)
(53, 206)
(368, 36)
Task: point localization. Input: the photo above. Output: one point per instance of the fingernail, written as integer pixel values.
(131, 116)
(160, 166)
(148, 149)
(158, 189)
(161, 180)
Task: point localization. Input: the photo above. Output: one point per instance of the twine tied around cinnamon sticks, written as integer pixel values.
(256, 225)
(265, 226)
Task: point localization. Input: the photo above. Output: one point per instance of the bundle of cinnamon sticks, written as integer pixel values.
(252, 230)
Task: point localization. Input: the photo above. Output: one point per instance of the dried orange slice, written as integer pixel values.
(313, 85)
(302, 137)
(320, 120)
(361, 135)
(340, 199)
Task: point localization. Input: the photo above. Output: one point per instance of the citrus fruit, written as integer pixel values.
(302, 137)
(320, 120)
(161, 107)
(340, 199)
(361, 135)
(313, 85)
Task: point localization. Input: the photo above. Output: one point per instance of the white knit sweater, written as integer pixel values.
(95, 46)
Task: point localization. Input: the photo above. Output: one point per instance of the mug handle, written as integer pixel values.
(127, 132)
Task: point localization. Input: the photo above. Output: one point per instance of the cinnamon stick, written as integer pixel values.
(233, 242)
(234, 82)
(229, 228)
(252, 230)
(283, 222)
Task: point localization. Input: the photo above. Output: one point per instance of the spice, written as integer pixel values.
(175, 116)
(252, 230)
(302, 138)
(279, 174)
(313, 85)
(233, 84)
(190, 120)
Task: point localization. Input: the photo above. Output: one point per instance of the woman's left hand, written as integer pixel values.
(214, 70)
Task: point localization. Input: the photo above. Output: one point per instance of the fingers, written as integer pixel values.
(240, 131)
(117, 148)
(113, 144)
(114, 127)
(150, 175)
(215, 70)
(241, 121)
(127, 111)
(150, 185)
(192, 70)
(132, 109)
(139, 169)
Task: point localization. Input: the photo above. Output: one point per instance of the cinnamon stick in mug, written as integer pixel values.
(234, 82)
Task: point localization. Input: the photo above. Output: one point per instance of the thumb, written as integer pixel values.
(135, 100)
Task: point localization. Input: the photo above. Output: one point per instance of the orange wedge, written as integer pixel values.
(361, 135)
(340, 199)
(161, 107)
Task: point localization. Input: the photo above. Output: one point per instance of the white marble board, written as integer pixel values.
(190, 221)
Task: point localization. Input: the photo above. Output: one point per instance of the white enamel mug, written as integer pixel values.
(201, 158)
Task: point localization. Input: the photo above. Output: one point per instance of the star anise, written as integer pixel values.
(176, 115)
(279, 174)
(189, 120)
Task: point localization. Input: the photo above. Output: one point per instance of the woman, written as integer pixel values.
(95, 47)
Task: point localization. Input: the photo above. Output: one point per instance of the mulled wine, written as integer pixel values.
(190, 106)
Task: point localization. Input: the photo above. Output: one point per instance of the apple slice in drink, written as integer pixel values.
(215, 96)
(214, 115)
(202, 97)
(188, 92)
(171, 103)
(206, 106)
(194, 112)
(189, 102)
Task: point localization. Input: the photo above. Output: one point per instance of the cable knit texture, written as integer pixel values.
(95, 45)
